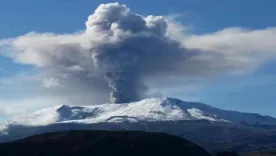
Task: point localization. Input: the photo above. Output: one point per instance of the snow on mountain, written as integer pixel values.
(148, 110)
(212, 128)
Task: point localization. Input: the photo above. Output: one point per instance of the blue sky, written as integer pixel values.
(252, 92)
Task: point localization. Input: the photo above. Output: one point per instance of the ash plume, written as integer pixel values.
(121, 54)
(136, 46)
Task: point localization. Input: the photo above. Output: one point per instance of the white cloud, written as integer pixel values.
(50, 82)
(237, 46)
(76, 68)
(19, 107)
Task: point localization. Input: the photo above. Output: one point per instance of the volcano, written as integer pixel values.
(212, 128)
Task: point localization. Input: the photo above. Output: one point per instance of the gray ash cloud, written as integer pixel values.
(137, 46)
(121, 54)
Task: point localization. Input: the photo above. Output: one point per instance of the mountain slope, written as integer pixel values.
(212, 128)
(270, 152)
(148, 110)
(103, 143)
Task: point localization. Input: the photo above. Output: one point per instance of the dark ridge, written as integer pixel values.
(270, 152)
(102, 143)
(226, 153)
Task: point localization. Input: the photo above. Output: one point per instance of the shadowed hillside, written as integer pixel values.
(103, 143)
(271, 152)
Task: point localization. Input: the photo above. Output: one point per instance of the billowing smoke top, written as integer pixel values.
(134, 47)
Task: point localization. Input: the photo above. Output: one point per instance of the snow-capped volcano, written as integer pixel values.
(148, 110)
(212, 128)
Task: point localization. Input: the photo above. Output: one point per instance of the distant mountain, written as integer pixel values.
(102, 143)
(212, 128)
